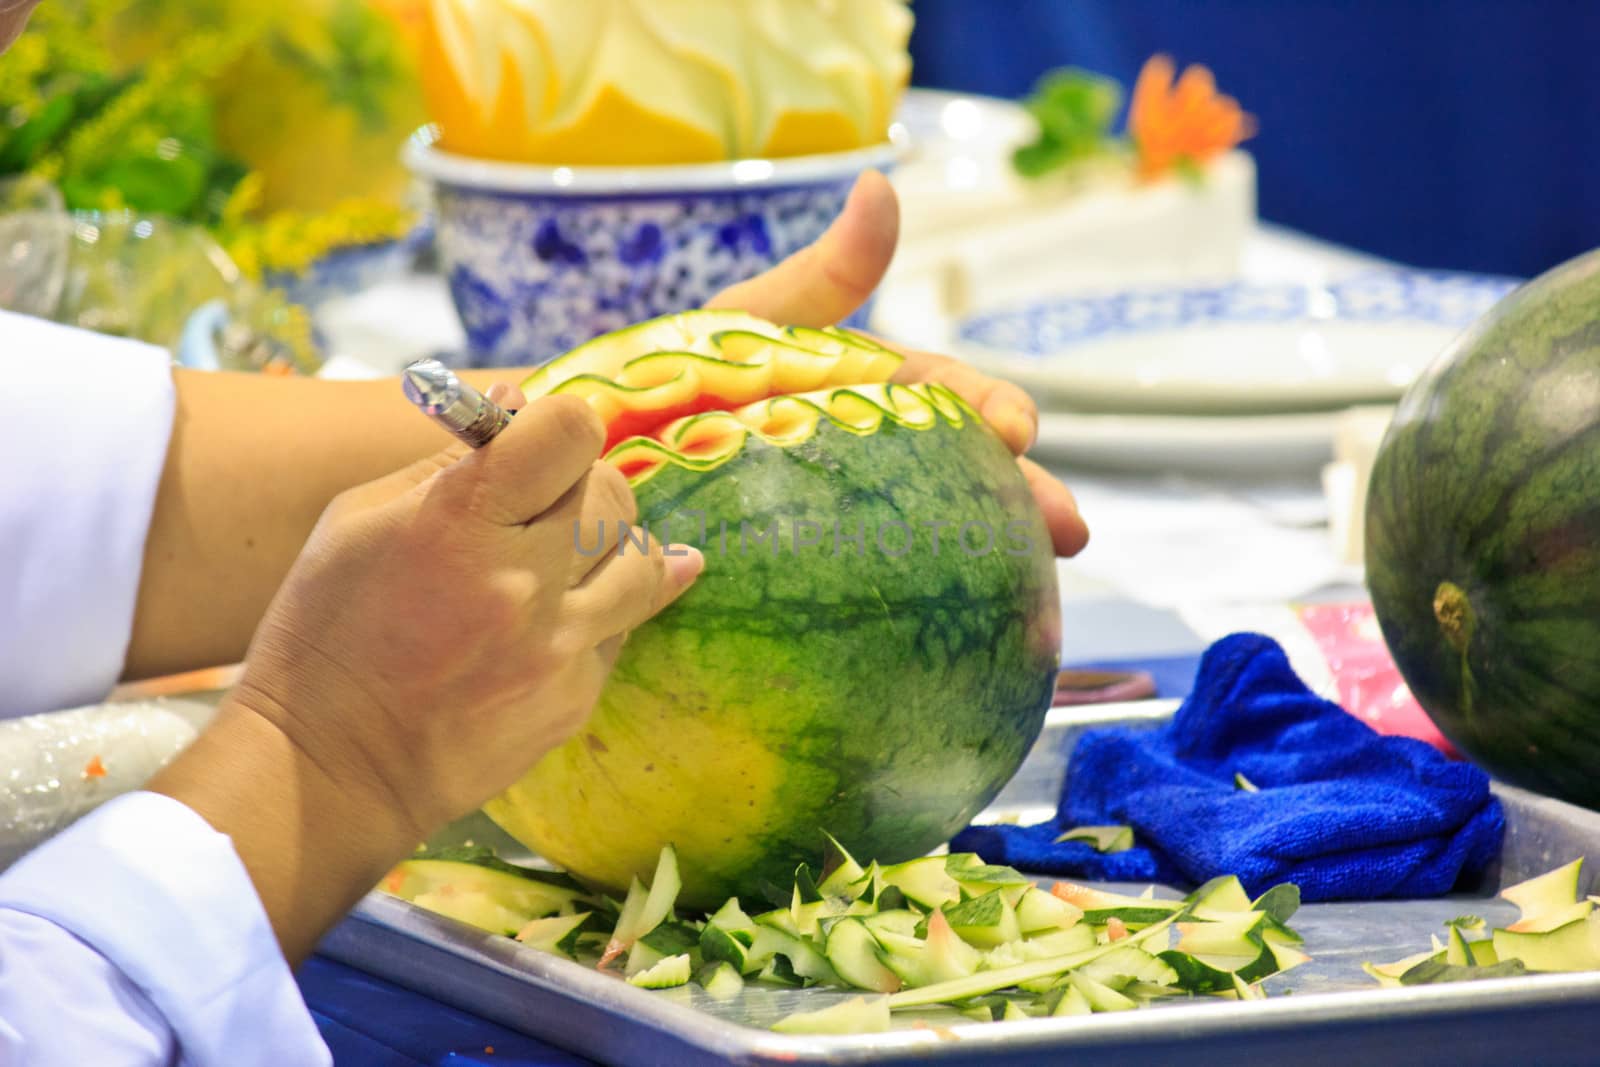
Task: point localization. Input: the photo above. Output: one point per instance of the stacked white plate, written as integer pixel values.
(1158, 327)
(1240, 376)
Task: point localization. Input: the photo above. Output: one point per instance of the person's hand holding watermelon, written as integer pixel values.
(826, 281)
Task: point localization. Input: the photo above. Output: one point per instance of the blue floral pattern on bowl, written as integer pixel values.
(534, 275)
(1049, 327)
(1244, 347)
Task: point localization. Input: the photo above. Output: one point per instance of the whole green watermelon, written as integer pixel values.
(1483, 536)
(871, 649)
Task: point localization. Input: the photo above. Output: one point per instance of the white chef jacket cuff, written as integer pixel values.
(151, 886)
(85, 439)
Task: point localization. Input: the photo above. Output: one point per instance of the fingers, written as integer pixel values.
(533, 463)
(608, 650)
(592, 518)
(632, 586)
(1003, 405)
(833, 276)
(1068, 532)
(507, 396)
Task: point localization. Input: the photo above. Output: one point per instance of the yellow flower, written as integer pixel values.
(289, 242)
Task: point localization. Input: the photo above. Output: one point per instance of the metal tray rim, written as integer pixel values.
(564, 978)
(381, 928)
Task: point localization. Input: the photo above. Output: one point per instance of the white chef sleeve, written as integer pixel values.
(136, 939)
(83, 437)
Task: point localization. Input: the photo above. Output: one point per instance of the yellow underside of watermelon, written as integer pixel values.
(607, 833)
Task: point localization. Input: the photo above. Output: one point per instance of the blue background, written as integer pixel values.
(1460, 134)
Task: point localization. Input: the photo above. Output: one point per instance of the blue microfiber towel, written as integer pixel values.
(1345, 813)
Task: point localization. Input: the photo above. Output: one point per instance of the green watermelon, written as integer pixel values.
(1483, 536)
(870, 650)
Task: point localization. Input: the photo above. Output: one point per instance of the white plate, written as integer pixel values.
(1240, 347)
(1209, 444)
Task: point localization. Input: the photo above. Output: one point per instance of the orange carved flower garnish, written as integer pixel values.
(1173, 126)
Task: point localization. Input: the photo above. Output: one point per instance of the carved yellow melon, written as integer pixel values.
(662, 81)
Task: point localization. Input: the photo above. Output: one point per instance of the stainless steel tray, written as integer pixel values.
(1332, 1013)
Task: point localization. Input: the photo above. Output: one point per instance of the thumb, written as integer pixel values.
(833, 276)
(413, 474)
(507, 395)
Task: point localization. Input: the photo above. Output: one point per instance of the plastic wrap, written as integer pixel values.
(1369, 683)
(56, 766)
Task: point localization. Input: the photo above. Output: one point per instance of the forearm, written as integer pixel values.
(314, 839)
(252, 462)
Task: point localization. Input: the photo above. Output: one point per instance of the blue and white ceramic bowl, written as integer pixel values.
(540, 258)
(353, 268)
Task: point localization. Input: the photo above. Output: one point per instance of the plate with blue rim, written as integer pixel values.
(1236, 348)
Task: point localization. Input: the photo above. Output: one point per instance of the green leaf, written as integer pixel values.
(1074, 109)
(1466, 922)
(224, 177)
(1041, 157)
(24, 144)
(151, 184)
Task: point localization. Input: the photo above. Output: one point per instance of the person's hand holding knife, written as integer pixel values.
(439, 633)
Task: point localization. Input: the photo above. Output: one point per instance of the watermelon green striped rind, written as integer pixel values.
(871, 648)
(1483, 536)
(887, 692)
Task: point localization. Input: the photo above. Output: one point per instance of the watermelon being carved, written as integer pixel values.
(1483, 536)
(871, 648)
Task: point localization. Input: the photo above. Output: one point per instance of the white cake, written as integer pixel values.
(974, 234)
